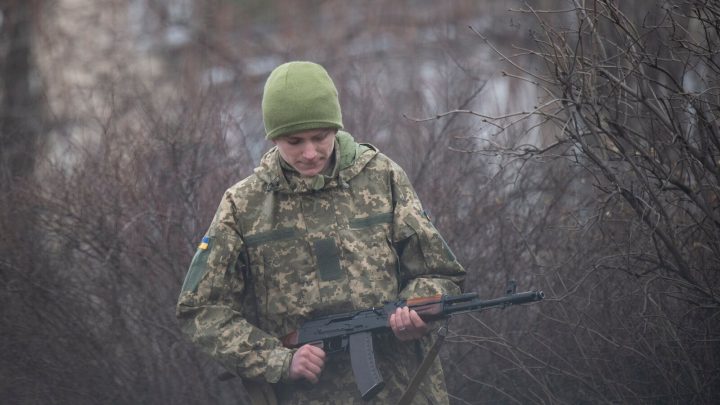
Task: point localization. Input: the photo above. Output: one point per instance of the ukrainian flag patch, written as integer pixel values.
(204, 243)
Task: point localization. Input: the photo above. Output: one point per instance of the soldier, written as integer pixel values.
(324, 225)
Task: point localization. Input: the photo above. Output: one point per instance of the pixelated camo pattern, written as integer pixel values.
(280, 252)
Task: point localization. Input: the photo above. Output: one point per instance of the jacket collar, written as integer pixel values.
(350, 158)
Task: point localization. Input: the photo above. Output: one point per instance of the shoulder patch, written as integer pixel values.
(198, 266)
(204, 243)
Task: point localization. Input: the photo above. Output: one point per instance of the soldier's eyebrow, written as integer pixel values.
(322, 135)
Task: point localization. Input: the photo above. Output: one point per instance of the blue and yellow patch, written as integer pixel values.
(204, 243)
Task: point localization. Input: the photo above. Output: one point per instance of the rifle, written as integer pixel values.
(353, 330)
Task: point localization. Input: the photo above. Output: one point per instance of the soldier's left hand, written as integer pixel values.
(407, 325)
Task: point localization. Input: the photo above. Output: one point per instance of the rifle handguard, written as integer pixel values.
(336, 332)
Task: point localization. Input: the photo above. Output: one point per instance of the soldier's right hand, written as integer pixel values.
(307, 362)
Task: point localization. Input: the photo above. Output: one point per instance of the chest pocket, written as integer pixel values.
(283, 276)
(367, 243)
(296, 278)
(370, 259)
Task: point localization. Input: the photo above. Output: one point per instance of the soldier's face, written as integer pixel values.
(309, 152)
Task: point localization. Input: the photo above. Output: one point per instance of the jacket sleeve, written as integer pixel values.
(427, 265)
(215, 304)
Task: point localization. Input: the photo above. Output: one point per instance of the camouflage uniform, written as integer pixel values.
(283, 249)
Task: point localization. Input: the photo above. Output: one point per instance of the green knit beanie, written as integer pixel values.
(299, 96)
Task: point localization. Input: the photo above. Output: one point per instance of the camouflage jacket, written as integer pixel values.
(283, 249)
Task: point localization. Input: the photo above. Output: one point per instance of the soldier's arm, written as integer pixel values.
(210, 312)
(427, 265)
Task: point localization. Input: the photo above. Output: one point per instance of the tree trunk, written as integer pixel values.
(20, 109)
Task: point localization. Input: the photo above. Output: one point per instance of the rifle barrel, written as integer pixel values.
(477, 304)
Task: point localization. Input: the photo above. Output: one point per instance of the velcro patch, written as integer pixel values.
(328, 259)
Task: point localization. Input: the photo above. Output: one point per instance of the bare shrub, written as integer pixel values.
(112, 228)
(620, 220)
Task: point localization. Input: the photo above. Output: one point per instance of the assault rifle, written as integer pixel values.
(353, 330)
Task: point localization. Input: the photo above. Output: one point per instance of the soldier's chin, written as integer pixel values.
(309, 172)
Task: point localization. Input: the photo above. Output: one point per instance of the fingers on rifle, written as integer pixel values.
(400, 325)
(407, 325)
(420, 328)
(312, 372)
(396, 324)
(307, 363)
(315, 360)
(416, 321)
(316, 350)
(405, 316)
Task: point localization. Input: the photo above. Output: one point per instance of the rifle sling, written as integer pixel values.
(412, 388)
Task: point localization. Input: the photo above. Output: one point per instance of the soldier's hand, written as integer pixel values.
(407, 325)
(307, 362)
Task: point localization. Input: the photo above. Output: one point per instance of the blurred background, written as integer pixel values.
(571, 145)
